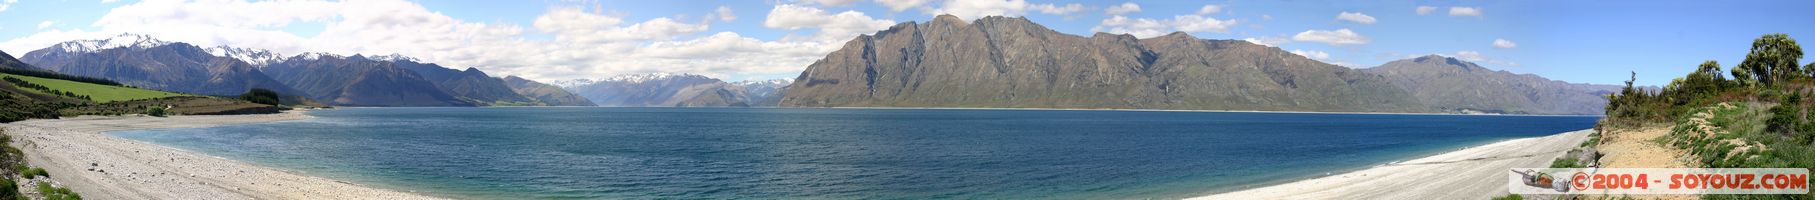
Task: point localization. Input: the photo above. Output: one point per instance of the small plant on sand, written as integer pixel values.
(56, 193)
(1510, 197)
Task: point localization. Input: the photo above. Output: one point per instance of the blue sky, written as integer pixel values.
(1575, 41)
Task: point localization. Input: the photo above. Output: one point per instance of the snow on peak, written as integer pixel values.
(394, 58)
(125, 40)
(572, 83)
(256, 57)
(764, 82)
(316, 55)
(639, 78)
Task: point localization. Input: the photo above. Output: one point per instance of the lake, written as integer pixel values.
(791, 153)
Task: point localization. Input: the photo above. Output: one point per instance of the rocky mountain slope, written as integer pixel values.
(1458, 86)
(356, 81)
(545, 93)
(8, 61)
(1012, 62)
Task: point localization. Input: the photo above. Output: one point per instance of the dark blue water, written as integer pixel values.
(587, 153)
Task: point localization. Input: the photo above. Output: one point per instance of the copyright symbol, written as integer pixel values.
(1580, 181)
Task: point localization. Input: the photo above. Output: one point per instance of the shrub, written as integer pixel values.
(260, 96)
(155, 111)
(1510, 197)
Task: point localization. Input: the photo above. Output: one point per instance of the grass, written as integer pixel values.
(98, 93)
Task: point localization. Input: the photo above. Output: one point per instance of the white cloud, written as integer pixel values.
(4, 4)
(1477, 57)
(724, 13)
(833, 2)
(1422, 10)
(1337, 37)
(1464, 11)
(1147, 27)
(973, 9)
(900, 5)
(832, 27)
(1505, 44)
(1313, 54)
(1060, 10)
(1208, 9)
(1355, 17)
(1272, 41)
(1124, 8)
(585, 44)
(46, 24)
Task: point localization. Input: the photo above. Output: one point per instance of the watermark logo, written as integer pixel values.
(1658, 181)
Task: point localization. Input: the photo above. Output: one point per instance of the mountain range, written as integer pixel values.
(996, 62)
(392, 80)
(676, 90)
(1009, 62)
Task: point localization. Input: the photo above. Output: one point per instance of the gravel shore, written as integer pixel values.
(100, 166)
(1474, 173)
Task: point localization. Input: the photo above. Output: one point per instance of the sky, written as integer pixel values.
(1576, 41)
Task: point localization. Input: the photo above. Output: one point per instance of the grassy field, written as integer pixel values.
(99, 93)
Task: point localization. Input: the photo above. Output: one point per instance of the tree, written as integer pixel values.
(1773, 59)
(260, 96)
(1705, 80)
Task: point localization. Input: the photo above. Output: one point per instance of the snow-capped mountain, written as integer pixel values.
(568, 84)
(639, 78)
(394, 58)
(126, 40)
(315, 56)
(256, 57)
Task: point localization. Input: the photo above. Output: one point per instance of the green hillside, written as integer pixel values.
(95, 92)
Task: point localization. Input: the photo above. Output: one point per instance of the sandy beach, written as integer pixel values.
(1473, 173)
(100, 166)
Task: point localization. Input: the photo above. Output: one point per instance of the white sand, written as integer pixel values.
(100, 166)
(1474, 173)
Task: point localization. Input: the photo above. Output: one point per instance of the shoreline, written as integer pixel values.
(80, 155)
(1179, 110)
(1474, 172)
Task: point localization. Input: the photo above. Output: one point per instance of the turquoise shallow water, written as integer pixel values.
(713, 153)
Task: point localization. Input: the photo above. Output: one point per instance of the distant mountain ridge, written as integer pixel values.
(676, 90)
(1459, 86)
(390, 80)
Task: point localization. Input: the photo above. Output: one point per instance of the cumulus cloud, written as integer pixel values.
(1337, 37)
(1313, 54)
(1355, 17)
(973, 9)
(1477, 57)
(1208, 9)
(724, 13)
(46, 24)
(1124, 8)
(1505, 44)
(1465, 11)
(833, 2)
(1147, 27)
(584, 45)
(1060, 10)
(901, 5)
(841, 26)
(1422, 10)
(1272, 41)
(4, 4)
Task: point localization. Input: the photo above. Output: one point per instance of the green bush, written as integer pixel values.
(260, 96)
(155, 111)
(33, 172)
